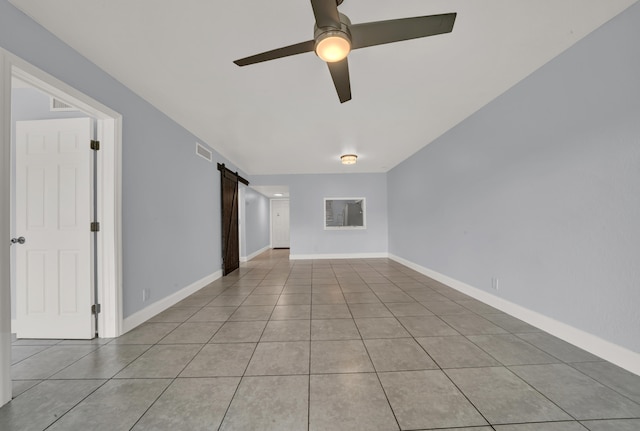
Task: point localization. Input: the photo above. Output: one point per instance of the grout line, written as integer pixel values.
(466, 397)
(76, 404)
(395, 417)
(310, 345)
(318, 270)
(598, 381)
(152, 403)
(245, 368)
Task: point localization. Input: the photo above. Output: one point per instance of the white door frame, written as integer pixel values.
(109, 213)
(242, 246)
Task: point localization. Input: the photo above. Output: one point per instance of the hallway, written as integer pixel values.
(350, 344)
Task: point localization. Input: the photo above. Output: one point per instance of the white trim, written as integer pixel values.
(607, 350)
(254, 254)
(271, 221)
(110, 235)
(242, 246)
(338, 256)
(26, 72)
(110, 186)
(151, 310)
(5, 229)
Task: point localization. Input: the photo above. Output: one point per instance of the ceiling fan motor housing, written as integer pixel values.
(320, 33)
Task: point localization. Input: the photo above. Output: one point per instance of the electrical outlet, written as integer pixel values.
(494, 283)
(145, 294)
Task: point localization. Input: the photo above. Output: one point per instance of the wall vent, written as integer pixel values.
(57, 105)
(204, 152)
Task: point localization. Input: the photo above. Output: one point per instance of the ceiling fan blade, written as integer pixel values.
(340, 75)
(326, 13)
(396, 30)
(286, 51)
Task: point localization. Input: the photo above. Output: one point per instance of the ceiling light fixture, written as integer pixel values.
(349, 159)
(333, 45)
(278, 195)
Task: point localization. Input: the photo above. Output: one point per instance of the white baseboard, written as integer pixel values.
(252, 255)
(338, 256)
(151, 310)
(607, 350)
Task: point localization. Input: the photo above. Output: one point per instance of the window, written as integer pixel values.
(344, 213)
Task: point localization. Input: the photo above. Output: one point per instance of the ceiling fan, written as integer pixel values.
(334, 37)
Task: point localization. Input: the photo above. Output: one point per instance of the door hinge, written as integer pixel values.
(95, 226)
(95, 145)
(95, 309)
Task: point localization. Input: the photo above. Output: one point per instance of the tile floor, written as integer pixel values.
(321, 345)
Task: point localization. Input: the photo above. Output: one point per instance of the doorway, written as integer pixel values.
(109, 262)
(280, 223)
(106, 274)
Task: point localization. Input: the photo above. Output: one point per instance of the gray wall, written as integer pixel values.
(257, 221)
(540, 188)
(306, 218)
(28, 104)
(170, 196)
(33, 104)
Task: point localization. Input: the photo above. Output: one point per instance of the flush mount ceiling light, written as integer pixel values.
(278, 195)
(349, 159)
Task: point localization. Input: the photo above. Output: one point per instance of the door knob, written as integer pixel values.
(20, 240)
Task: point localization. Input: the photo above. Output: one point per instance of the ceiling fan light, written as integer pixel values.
(349, 159)
(332, 46)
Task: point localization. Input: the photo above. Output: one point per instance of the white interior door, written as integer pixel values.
(54, 271)
(280, 223)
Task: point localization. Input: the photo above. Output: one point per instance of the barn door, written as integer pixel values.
(229, 203)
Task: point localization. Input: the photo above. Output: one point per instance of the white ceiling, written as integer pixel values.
(283, 116)
(272, 191)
